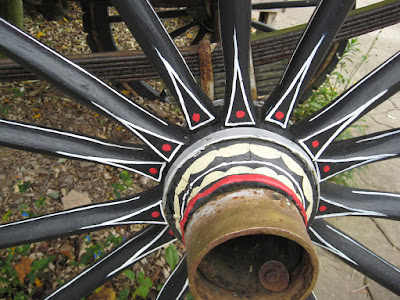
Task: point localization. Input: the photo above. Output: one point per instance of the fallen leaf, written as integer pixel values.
(38, 282)
(40, 34)
(68, 251)
(103, 294)
(23, 268)
(75, 199)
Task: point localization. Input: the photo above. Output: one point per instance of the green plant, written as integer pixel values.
(125, 182)
(18, 270)
(4, 109)
(172, 256)
(23, 186)
(335, 83)
(142, 283)
(95, 250)
(18, 92)
(41, 202)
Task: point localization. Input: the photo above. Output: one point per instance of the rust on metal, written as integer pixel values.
(230, 239)
(253, 82)
(274, 276)
(206, 68)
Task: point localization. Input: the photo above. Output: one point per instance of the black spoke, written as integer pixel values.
(318, 131)
(177, 285)
(235, 19)
(145, 208)
(181, 30)
(135, 158)
(145, 90)
(90, 91)
(337, 201)
(162, 52)
(262, 26)
(312, 297)
(306, 59)
(356, 255)
(344, 155)
(139, 246)
(172, 13)
(285, 4)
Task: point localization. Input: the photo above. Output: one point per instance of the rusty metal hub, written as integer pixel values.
(241, 200)
(246, 244)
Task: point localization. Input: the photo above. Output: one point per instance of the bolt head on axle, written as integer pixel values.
(250, 244)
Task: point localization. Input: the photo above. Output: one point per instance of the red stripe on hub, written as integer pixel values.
(240, 179)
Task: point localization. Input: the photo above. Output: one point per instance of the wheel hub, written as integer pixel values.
(241, 200)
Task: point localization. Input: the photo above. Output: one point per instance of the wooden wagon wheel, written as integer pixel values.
(235, 179)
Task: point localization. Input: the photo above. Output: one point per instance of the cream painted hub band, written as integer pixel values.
(214, 161)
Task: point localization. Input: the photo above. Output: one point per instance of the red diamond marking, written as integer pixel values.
(327, 169)
(196, 117)
(279, 115)
(166, 147)
(322, 208)
(240, 114)
(153, 171)
(315, 144)
(155, 214)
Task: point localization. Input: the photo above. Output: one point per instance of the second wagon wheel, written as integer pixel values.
(243, 188)
(98, 21)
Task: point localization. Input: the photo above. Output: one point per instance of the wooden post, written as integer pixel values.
(12, 11)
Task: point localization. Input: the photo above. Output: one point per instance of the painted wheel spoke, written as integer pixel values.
(145, 208)
(312, 297)
(344, 155)
(306, 59)
(177, 285)
(262, 26)
(337, 201)
(139, 246)
(90, 91)
(235, 19)
(181, 30)
(162, 52)
(356, 255)
(135, 158)
(318, 131)
(285, 4)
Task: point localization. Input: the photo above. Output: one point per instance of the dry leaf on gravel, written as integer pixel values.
(103, 294)
(75, 199)
(23, 268)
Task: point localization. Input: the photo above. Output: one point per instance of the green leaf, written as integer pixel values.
(172, 256)
(40, 202)
(6, 216)
(142, 291)
(24, 186)
(125, 178)
(40, 265)
(130, 274)
(87, 256)
(189, 297)
(124, 294)
(147, 282)
(5, 290)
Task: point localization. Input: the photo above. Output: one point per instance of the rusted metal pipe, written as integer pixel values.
(206, 68)
(250, 244)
